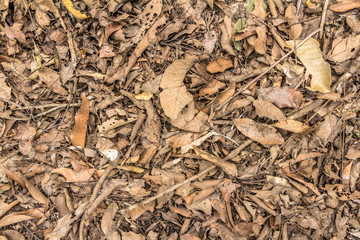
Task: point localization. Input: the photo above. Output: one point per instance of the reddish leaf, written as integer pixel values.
(281, 97)
(78, 134)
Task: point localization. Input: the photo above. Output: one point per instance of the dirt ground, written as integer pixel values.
(179, 119)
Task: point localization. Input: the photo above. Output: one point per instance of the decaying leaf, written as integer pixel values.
(219, 65)
(281, 96)
(5, 90)
(78, 134)
(70, 7)
(258, 132)
(310, 55)
(25, 135)
(292, 126)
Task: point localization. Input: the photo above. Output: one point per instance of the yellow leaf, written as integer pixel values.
(145, 96)
(131, 169)
(69, 5)
(310, 55)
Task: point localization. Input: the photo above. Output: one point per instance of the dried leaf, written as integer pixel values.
(267, 109)
(174, 96)
(25, 136)
(70, 7)
(16, 217)
(259, 42)
(211, 87)
(310, 55)
(131, 236)
(296, 28)
(219, 65)
(52, 80)
(292, 126)
(78, 134)
(281, 97)
(14, 32)
(353, 152)
(145, 96)
(5, 90)
(345, 5)
(210, 41)
(347, 49)
(72, 176)
(258, 132)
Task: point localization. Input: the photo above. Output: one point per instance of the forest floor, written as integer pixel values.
(182, 119)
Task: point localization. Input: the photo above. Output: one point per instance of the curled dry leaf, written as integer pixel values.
(25, 136)
(347, 49)
(261, 133)
(70, 7)
(292, 126)
(345, 5)
(219, 65)
(281, 97)
(269, 110)
(78, 134)
(310, 55)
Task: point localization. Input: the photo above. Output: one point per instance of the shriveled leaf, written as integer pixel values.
(269, 110)
(281, 97)
(131, 169)
(292, 126)
(70, 7)
(310, 55)
(347, 49)
(258, 132)
(345, 5)
(78, 134)
(219, 65)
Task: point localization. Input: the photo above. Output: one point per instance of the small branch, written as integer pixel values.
(323, 18)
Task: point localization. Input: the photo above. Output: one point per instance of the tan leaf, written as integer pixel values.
(258, 132)
(72, 176)
(14, 32)
(310, 55)
(259, 42)
(295, 29)
(329, 96)
(174, 96)
(281, 97)
(145, 96)
(16, 217)
(353, 152)
(52, 80)
(211, 87)
(269, 110)
(41, 17)
(259, 10)
(131, 236)
(5, 90)
(345, 5)
(228, 167)
(348, 48)
(107, 221)
(137, 212)
(25, 136)
(78, 134)
(292, 126)
(219, 65)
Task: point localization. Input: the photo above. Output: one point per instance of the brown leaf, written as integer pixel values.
(72, 176)
(258, 132)
(259, 10)
(347, 49)
(14, 32)
(267, 109)
(219, 65)
(211, 87)
(16, 217)
(78, 134)
(353, 152)
(5, 90)
(281, 97)
(292, 126)
(259, 42)
(228, 167)
(52, 80)
(345, 5)
(41, 17)
(295, 29)
(174, 96)
(131, 236)
(25, 136)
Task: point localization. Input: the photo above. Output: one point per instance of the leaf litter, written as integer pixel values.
(179, 119)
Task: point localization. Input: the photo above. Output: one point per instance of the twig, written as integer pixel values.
(137, 126)
(267, 70)
(323, 17)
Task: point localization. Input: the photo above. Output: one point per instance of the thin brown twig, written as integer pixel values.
(323, 17)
